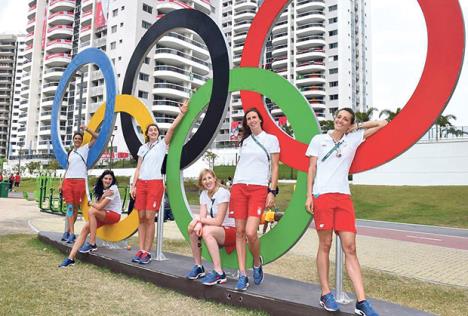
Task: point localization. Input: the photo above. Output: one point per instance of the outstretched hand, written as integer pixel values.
(184, 108)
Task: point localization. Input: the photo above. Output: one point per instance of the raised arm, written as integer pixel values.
(370, 127)
(170, 131)
(94, 135)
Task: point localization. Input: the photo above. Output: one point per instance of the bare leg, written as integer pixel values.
(348, 243)
(240, 244)
(150, 230)
(194, 245)
(141, 229)
(323, 260)
(79, 241)
(94, 215)
(214, 236)
(252, 237)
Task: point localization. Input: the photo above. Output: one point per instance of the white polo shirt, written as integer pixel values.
(115, 202)
(253, 166)
(153, 157)
(220, 196)
(332, 174)
(77, 163)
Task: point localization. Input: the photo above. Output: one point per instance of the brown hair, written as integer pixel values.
(247, 132)
(350, 111)
(147, 129)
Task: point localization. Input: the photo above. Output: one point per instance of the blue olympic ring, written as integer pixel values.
(87, 56)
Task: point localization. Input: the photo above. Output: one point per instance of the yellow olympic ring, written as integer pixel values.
(133, 106)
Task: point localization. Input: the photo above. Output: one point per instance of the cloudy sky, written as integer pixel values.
(398, 51)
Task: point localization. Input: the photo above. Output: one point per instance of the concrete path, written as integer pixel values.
(430, 263)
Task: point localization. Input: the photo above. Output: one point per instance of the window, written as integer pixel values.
(120, 41)
(145, 25)
(142, 94)
(121, 24)
(333, 33)
(333, 8)
(147, 60)
(333, 20)
(114, 28)
(115, 12)
(147, 8)
(122, 8)
(333, 58)
(333, 71)
(333, 45)
(113, 45)
(334, 97)
(144, 76)
(333, 84)
(120, 58)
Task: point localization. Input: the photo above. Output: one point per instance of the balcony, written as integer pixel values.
(315, 16)
(49, 88)
(166, 6)
(310, 5)
(179, 41)
(167, 109)
(313, 91)
(86, 4)
(310, 29)
(61, 18)
(280, 27)
(203, 6)
(309, 66)
(173, 56)
(170, 90)
(60, 31)
(57, 59)
(54, 73)
(59, 46)
(280, 39)
(85, 32)
(279, 62)
(279, 50)
(242, 5)
(86, 17)
(239, 38)
(242, 26)
(61, 5)
(244, 15)
(310, 78)
(30, 25)
(310, 42)
(310, 54)
(176, 74)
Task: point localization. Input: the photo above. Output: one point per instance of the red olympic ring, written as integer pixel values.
(446, 41)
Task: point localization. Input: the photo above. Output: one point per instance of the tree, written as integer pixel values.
(33, 166)
(365, 116)
(390, 115)
(443, 124)
(288, 129)
(210, 158)
(327, 125)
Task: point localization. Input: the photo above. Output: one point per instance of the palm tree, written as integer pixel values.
(327, 125)
(390, 114)
(365, 116)
(443, 124)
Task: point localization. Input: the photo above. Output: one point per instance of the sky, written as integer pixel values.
(398, 49)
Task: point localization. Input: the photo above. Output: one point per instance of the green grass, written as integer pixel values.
(223, 172)
(38, 287)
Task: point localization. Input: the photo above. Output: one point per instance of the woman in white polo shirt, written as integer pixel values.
(105, 211)
(329, 200)
(73, 187)
(149, 187)
(254, 188)
(213, 224)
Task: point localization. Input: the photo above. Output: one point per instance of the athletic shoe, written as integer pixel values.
(196, 273)
(258, 273)
(242, 283)
(145, 258)
(66, 263)
(214, 278)
(71, 238)
(328, 302)
(87, 248)
(365, 309)
(65, 236)
(137, 257)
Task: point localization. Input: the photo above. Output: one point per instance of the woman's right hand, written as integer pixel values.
(198, 229)
(309, 205)
(133, 191)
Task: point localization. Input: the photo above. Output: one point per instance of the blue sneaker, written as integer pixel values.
(196, 273)
(365, 309)
(242, 283)
(137, 257)
(328, 302)
(145, 258)
(258, 273)
(214, 278)
(66, 263)
(71, 238)
(65, 236)
(87, 248)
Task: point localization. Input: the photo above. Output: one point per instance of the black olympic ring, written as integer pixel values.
(207, 29)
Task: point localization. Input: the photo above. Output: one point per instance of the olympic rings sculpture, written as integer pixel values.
(443, 65)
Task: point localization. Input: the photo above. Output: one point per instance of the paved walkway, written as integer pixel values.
(404, 258)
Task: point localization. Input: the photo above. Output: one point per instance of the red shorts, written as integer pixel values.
(149, 195)
(73, 190)
(229, 239)
(111, 218)
(247, 200)
(334, 211)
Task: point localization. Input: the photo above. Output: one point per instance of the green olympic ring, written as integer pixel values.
(295, 221)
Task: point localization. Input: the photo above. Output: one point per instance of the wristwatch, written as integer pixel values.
(274, 191)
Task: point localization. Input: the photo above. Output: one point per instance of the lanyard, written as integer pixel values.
(337, 145)
(211, 208)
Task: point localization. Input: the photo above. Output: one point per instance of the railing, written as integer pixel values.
(439, 133)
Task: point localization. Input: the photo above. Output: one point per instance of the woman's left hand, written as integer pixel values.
(270, 200)
(184, 107)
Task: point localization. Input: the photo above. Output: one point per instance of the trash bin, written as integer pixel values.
(4, 189)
